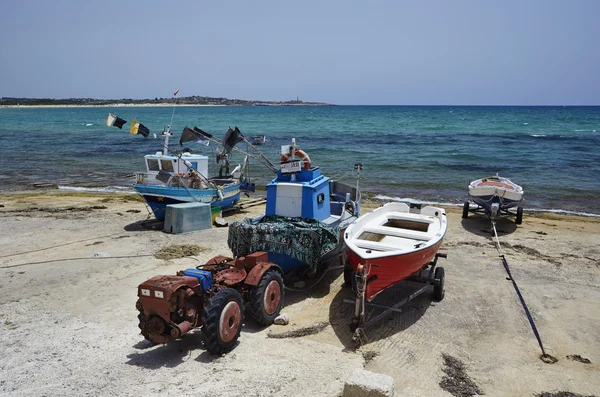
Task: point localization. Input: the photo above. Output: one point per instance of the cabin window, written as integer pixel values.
(167, 165)
(152, 165)
(194, 164)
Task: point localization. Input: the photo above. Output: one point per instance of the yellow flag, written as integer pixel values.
(135, 125)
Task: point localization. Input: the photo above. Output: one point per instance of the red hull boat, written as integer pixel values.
(393, 242)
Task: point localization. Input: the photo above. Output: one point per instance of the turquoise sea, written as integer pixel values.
(425, 153)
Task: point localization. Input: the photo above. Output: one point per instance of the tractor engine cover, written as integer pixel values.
(169, 307)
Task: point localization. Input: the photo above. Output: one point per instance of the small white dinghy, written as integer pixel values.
(495, 196)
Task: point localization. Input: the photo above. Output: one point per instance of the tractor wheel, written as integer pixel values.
(438, 285)
(348, 274)
(266, 299)
(519, 218)
(222, 321)
(466, 210)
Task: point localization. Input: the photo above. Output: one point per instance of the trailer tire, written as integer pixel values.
(222, 321)
(266, 299)
(466, 206)
(438, 284)
(519, 218)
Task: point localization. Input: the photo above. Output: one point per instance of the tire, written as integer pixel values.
(222, 321)
(519, 218)
(266, 299)
(438, 285)
(466, 210)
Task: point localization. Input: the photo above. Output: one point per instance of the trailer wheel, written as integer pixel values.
(266, 299)
(222, 321)
(519, 218)
(466, 210)
(438, 284)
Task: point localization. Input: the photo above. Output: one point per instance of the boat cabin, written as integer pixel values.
(158, 162)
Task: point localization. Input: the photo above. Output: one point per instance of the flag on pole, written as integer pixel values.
(139, 128)
(113, 120)
(232, 137)
(195, 135)
(176, 91)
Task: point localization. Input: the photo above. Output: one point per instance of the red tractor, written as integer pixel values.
(211, 296)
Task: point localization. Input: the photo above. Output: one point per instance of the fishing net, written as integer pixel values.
(303, 239)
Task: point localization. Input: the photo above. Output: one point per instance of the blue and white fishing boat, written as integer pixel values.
(183, 178)
(305, 217)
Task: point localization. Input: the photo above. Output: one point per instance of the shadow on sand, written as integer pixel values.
(172, 354)
(341, 313)
(481, 226)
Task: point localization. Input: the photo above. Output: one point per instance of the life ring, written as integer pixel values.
(299, 153)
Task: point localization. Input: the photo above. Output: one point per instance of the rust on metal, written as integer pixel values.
(230, 276)
(272, 297)
(255, 258)
(257, 272)
(230, 320)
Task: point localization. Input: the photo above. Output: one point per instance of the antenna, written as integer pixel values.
(167, 132)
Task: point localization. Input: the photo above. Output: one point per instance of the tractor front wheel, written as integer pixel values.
(266, 299)
(222, 321)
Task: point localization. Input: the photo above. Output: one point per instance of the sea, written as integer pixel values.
(426, 154)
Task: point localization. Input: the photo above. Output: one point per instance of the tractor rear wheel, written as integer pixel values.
(266, 299)
(222, 321)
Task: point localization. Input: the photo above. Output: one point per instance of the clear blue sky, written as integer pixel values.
(519, 52)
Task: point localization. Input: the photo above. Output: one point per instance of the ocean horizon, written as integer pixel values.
(427, 154)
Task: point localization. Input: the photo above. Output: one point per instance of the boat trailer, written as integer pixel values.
(429, 275)
(494, 212)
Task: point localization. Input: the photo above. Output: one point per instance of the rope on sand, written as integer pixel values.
(73, 259)
(545, 357)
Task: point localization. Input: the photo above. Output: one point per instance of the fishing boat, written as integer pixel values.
(495, 196)
(259, 140)
(183, 178)
(390, 244)
(305, 217)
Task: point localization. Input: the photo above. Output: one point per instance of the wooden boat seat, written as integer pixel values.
(390, 243)
(408, 234)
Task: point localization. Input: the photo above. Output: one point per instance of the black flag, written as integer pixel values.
(195, 135)
(232, 138)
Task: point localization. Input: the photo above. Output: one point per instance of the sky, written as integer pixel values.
(346, 52)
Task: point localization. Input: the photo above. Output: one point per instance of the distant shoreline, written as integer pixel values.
(137, 105)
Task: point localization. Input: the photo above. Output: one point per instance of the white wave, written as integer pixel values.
(89, 124)
(538, 210)
(107, 189)
(409, 200)
(538, 135)
(525, 123)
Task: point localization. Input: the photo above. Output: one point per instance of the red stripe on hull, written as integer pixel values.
(393, 269)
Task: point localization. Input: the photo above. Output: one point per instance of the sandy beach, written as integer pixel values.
(70, 265)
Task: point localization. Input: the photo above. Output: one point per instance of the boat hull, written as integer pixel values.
(388, 271)
(394, 242)
(486, 192)
(158, 197)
